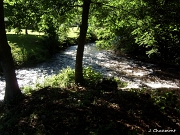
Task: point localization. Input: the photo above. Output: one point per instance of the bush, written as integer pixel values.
(64, 79)
(51, 44)
(104, 38)
(125, 42)
(91, 36)
(91, 76)
(165, 100)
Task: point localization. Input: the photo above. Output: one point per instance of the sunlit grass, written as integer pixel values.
(26, 49)
(66, 79)
(30, 32)
(74, 32)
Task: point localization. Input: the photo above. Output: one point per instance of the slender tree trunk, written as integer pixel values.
(83, 30)
(12, 89)
(26, 31)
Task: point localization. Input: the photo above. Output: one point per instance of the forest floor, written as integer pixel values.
(83, 111)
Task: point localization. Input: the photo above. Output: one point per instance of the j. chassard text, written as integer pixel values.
(163, 130)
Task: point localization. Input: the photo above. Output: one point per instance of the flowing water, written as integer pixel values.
(138, 74)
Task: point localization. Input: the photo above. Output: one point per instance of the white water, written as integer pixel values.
(136, 73)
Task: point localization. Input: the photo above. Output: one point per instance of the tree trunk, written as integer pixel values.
(83, 30)
(26, 31)
(12, 89)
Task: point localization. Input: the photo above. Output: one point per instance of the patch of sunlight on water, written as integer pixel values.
(136, 73)
(156, 85)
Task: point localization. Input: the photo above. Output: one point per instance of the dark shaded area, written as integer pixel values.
(170, 67)
(106, 84)
(81, 111)
(165, 26)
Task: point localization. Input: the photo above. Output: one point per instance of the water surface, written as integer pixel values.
(138, 74)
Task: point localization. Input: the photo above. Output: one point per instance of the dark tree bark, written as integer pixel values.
(12, 89)
(26, 31)
(83, 30)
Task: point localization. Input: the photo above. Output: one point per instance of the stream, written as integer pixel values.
(138, 74)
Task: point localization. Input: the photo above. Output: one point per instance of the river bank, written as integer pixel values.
(136, 73)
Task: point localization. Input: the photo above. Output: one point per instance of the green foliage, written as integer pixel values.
(48, 24)
(142, 27)
(124, 41)
(165, 100)
(68, 35)
(27, 49)
(17, 30)
(91, 35)
(27, 90)
(64, 79)
(104, 38)
(120, 84)
(22, 14)
(91, 76)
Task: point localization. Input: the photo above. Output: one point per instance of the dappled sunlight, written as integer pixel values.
(27, 49)
(85, 111)
(73, 32)
(30, 32)
(126, 80)
(137, 74)
(159, 85)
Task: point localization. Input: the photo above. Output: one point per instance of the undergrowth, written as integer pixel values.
(58, 106)
(65, 79)
(63, 111)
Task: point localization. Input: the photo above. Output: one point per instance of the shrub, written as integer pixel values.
(165, 100)
(91, 76)
(64, 79)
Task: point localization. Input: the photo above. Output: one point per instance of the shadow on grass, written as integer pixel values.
(22, 39)
(52, 111)
(27, 50)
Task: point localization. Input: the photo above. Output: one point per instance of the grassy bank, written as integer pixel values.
(27, 49)
(30, 32)
(35, 47)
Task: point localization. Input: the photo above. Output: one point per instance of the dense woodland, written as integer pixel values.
(148, 29)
